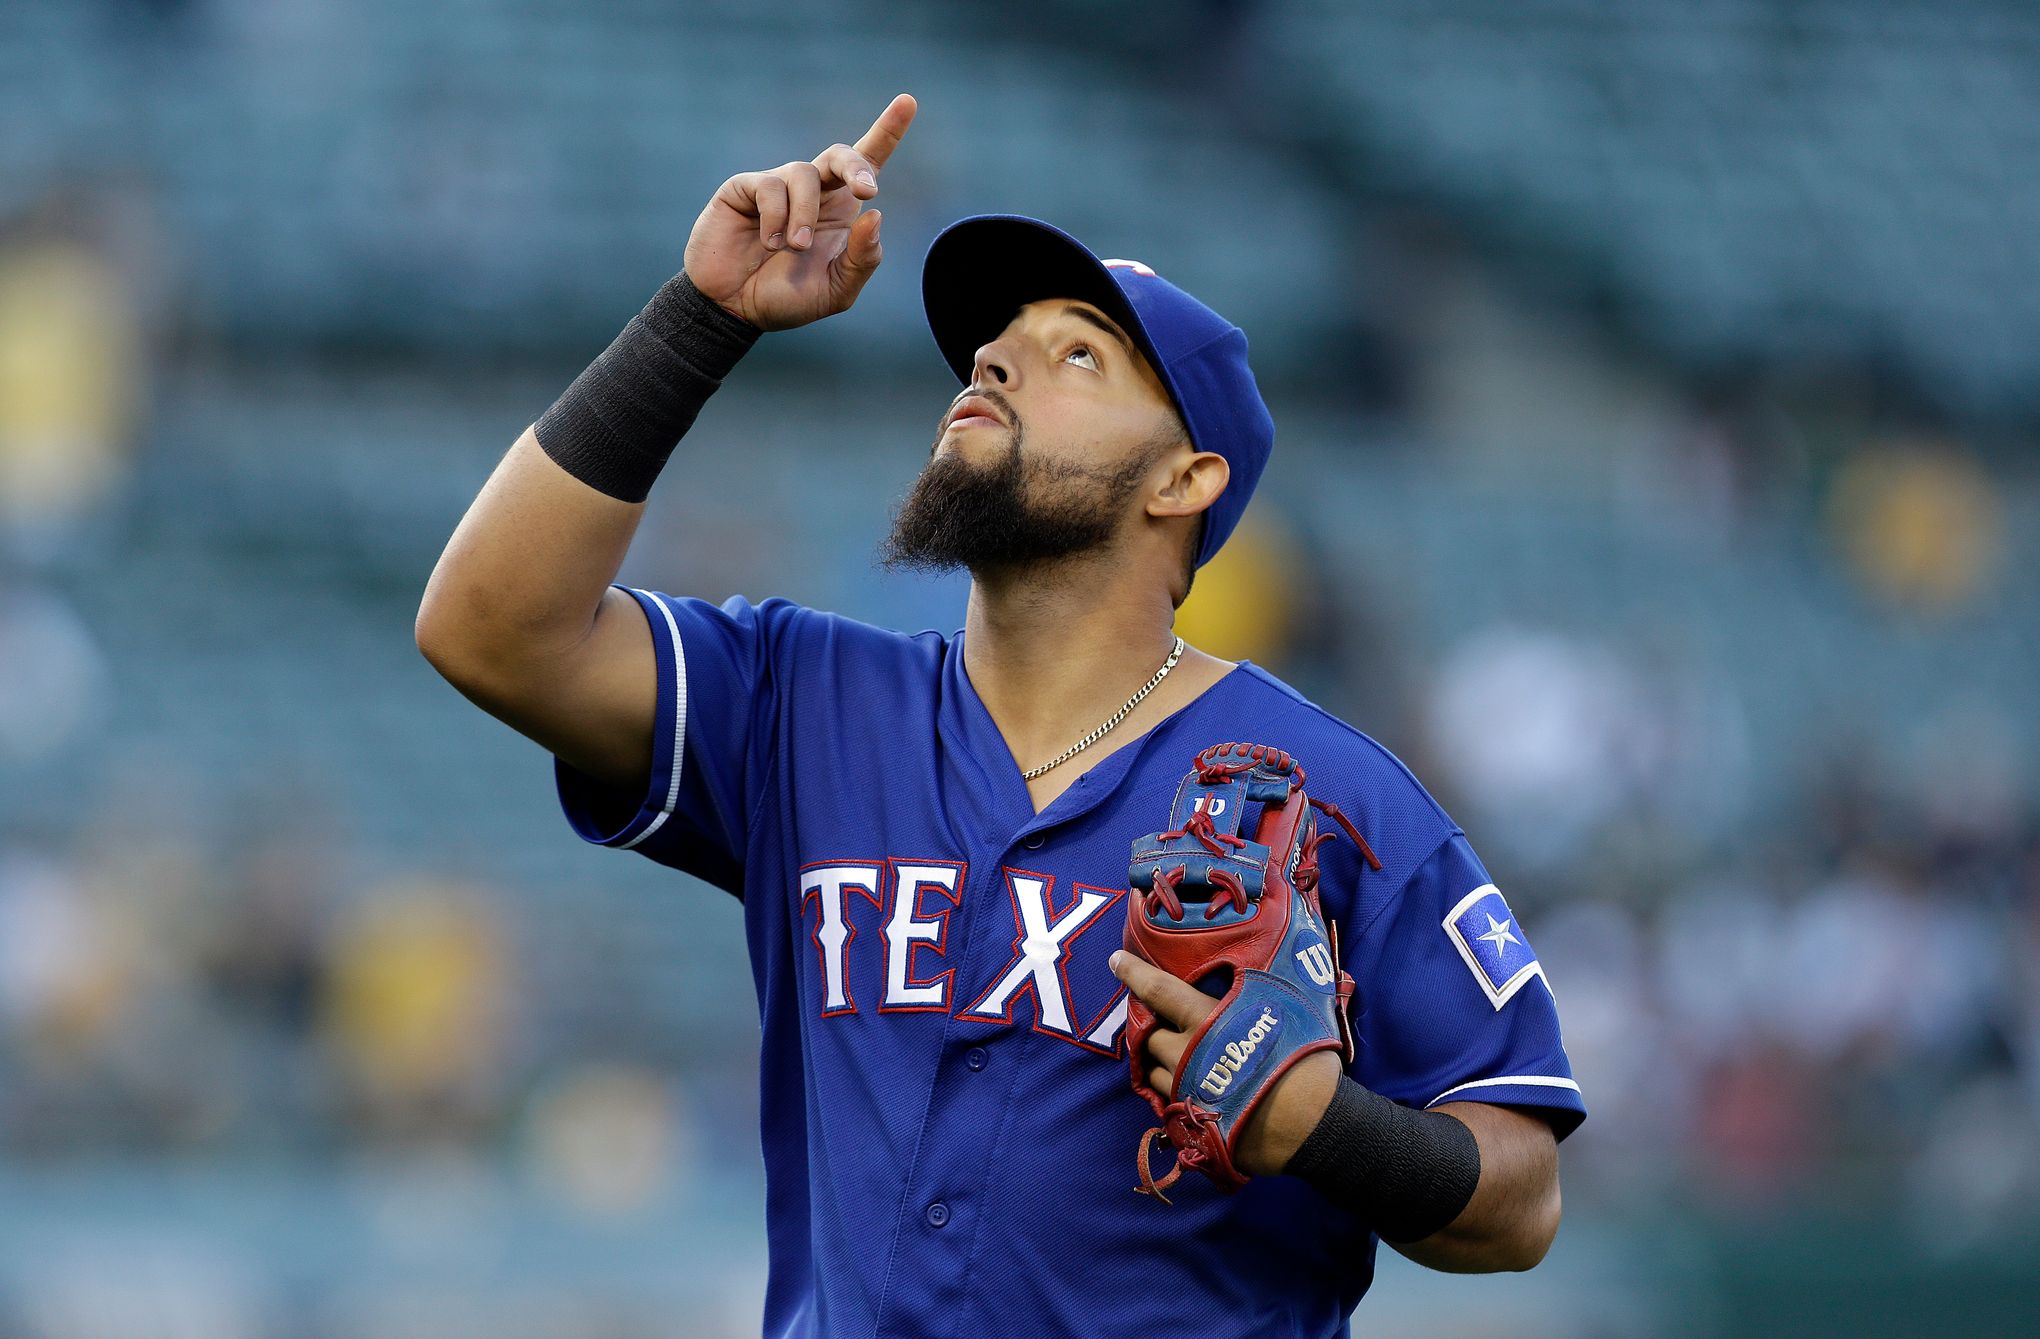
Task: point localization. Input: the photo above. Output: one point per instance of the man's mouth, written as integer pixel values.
(974, 411)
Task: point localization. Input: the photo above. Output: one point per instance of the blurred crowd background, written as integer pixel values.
(1656, 393)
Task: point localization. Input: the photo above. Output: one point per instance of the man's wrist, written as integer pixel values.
(1404, 1173)
(1291, 1111)
(682, 314)
(620, 420)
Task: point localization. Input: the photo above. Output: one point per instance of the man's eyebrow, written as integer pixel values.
(1087, 315)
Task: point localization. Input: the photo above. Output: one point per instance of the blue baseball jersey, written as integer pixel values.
(948, 1127)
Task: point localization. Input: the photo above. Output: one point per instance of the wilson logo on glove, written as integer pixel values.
(1316, 962)
(1237, 1053)
(1206, 898)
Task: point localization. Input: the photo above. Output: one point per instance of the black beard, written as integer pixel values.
(1016, 512)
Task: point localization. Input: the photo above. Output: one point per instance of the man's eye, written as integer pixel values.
(1081, 351)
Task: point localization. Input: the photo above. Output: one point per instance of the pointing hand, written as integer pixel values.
(792, 245)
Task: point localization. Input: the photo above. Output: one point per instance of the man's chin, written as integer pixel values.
(970, 510)
(989, 548)
(975, 442)
(927, 561)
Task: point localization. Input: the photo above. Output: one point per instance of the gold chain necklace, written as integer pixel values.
(1117, 716)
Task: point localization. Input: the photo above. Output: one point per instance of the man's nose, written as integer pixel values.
(995, 365)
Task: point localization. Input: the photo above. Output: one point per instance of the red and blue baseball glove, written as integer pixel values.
(1208, 901)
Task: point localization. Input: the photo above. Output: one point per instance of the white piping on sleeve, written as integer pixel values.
(679, 718)
(1507, 1081)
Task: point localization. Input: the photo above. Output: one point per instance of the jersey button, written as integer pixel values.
(1034, 843)
(975, 1057)
(938, 1214)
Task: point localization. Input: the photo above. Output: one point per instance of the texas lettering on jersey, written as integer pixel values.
(911, 902)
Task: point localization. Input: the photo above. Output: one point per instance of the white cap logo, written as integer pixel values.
(1136, 266)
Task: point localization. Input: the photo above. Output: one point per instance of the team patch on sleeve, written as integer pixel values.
(1485, 932)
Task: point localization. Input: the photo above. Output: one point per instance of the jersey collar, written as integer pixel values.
(984, 763)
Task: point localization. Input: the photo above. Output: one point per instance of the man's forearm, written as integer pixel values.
(519, 613)
(1513, 1215)
(524, 575)
(622, 417)
(525, 571)
(1465, 1187)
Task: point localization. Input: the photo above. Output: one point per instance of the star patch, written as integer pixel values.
(1485, 932)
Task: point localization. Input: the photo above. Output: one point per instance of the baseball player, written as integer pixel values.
(929, 834)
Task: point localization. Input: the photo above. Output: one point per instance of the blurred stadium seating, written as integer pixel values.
(1654, 385)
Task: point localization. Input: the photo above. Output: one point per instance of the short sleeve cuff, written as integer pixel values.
(604, 814)
(1565, 1108)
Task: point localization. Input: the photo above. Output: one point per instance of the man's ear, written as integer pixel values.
(1194, 483)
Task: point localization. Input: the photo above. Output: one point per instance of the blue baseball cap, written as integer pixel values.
(981, 270)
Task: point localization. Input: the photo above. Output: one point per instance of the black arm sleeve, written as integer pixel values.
(1404, 1173)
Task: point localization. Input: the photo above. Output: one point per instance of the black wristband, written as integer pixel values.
(1404, 1173)
(623, 416)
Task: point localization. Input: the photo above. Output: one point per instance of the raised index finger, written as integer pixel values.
(888, 130)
